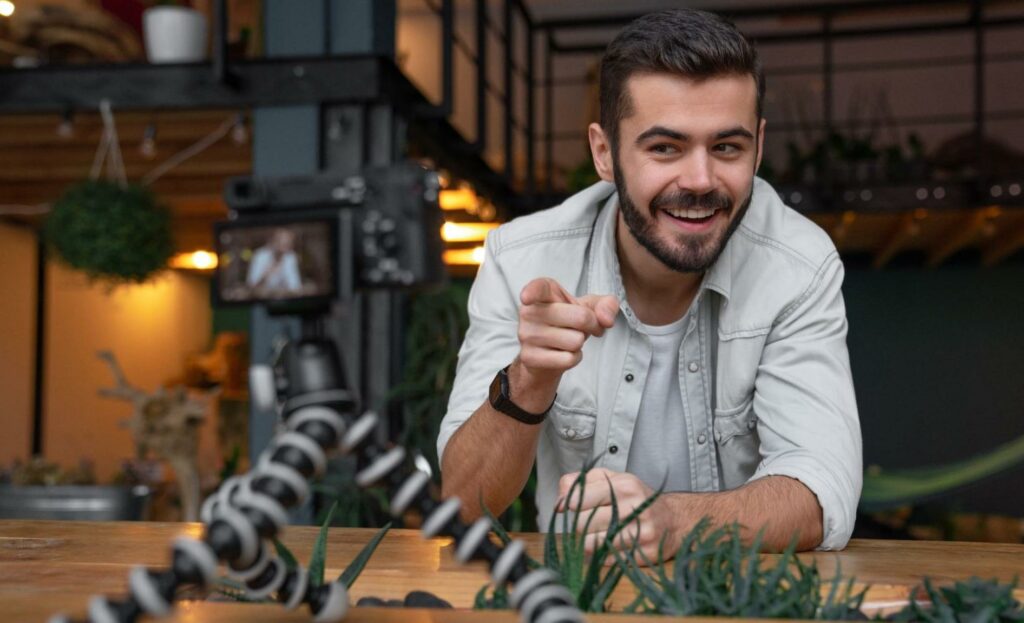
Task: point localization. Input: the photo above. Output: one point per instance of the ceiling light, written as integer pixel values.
(466, 232)
(464, 257)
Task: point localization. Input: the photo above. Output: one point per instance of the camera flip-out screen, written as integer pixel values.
(276, 261)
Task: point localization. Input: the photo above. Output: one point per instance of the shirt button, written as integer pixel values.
(751, 424)
(613, 449)
(693, 367)
(629, 378)
(701, 438)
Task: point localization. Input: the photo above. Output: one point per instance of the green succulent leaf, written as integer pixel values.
(351, 573)
(316, 561)
(285, 554)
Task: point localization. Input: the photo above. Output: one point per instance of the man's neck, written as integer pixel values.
(657, 294)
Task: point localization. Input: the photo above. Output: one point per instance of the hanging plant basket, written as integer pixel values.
(112, 233)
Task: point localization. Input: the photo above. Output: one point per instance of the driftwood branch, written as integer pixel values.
(124, 390)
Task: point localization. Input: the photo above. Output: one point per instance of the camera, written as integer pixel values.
(309, 240)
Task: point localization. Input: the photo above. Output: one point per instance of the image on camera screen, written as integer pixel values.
(275, 262)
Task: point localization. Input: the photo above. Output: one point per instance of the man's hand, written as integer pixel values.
(658, 521)
(553, 325)
(782, 507)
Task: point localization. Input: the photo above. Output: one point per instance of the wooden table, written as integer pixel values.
(49, 567)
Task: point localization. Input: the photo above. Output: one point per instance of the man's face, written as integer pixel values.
(685, 164)
(282, 242)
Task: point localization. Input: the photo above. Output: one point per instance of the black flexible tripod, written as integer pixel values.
(319, 417)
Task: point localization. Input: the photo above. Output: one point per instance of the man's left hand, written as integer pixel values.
(658, 521)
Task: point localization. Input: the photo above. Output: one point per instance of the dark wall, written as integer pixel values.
(938, 362)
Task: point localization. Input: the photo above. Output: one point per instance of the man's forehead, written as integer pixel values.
(728, 98)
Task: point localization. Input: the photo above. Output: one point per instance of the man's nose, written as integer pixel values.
(696, 174)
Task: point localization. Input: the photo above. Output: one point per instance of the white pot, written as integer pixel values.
(174, 34)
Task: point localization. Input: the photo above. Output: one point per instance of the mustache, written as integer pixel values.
(712, 201)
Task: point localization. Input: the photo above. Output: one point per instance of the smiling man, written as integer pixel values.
(675, 321)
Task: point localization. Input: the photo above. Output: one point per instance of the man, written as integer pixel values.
(675, 320)
(274, 269)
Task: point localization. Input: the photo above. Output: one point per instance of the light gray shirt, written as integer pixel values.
(767, 390)
(659, 453)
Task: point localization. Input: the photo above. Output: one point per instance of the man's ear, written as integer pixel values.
(760, 144)
(601, 152)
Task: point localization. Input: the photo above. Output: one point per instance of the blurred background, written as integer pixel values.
(898, 126)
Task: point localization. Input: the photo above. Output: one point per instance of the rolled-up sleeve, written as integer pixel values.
(491, 341)
(805, 404)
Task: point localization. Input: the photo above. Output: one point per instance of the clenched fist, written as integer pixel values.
(553, 325)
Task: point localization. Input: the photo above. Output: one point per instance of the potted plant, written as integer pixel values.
(174, 33)
(39, 489)
(119, 234)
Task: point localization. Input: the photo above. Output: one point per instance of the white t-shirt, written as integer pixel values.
(285, 275)
(660, 430)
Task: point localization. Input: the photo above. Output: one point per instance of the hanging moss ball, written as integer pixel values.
(111, 233)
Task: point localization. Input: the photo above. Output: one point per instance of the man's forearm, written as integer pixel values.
(489, 458)
(491, 455)
(782, 506)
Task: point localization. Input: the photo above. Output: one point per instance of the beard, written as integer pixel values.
(690, 253)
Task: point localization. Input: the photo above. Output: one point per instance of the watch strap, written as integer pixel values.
(501, 400)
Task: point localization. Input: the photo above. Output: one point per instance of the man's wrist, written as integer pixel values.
(531, 391)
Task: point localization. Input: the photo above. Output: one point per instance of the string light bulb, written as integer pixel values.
(239, 133)
(6, 8)
(66, 127)
(148, 145)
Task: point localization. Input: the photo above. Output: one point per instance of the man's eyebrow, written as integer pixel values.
(739, 131)
(662, 131)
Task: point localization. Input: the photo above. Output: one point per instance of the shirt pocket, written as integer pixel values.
(571, 431)
(738, 443)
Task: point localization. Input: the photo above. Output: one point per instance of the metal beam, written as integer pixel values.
(759, 11)
(846, 33)
(270, 82)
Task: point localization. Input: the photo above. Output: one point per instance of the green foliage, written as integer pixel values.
(590, 578)
(438, 321)
(112, 233)
(351, 573)
(582, 176)
(316, 561)
(714, 574)
(976, 600)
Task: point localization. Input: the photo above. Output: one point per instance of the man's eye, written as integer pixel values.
(663, 148)
(727, 148)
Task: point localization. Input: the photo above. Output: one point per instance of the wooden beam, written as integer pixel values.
(907, 229)
(1003, 247)
(839, 230)
(963, 234)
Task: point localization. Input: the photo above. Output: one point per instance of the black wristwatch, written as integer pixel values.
(502, 402)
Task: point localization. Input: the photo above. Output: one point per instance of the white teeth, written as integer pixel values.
(691, 212)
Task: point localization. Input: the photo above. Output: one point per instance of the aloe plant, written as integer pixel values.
(974, 600)
(714, 574)
(591, 579)
(317, 562)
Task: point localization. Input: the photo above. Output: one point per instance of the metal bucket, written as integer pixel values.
(74, 502)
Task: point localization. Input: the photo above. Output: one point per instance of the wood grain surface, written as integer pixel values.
(49, 567)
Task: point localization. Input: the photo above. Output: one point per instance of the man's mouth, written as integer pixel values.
(692, 216)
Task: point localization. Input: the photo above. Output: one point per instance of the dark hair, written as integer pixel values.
(685, 42)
